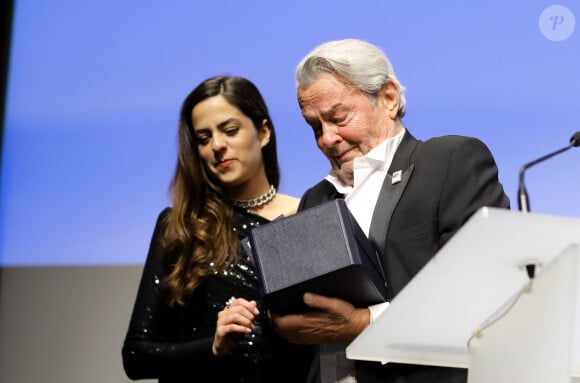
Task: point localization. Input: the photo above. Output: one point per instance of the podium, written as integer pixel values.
(475, 306)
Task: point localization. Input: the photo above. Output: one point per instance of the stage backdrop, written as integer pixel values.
(95, 88)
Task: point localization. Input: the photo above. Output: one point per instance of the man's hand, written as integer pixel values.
(330, 320)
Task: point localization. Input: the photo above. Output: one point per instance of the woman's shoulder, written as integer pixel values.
(288, 204)
(289, 201)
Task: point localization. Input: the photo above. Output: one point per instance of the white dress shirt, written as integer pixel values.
(370, 171)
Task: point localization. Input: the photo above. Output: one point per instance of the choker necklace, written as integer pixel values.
(258, 201)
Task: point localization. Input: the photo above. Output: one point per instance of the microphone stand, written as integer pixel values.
(523, 198)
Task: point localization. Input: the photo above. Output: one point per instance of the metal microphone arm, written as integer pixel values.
(523, 199)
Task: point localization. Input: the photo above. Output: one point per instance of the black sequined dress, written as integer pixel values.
(174, 344)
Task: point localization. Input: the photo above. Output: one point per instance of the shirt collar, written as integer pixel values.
(379, 157)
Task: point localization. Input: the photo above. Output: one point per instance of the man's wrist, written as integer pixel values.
(376, 310)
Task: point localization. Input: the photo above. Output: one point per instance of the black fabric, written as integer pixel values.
(451, 178)
(174, 344)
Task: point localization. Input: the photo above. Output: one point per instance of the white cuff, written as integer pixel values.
(377, 310)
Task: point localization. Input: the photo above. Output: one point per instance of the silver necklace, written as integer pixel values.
(258, 201)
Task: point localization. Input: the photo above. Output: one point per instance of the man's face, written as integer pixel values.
(345, 121)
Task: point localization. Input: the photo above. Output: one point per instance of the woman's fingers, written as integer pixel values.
(236, 319)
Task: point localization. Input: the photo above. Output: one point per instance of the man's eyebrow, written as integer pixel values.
(335, 108)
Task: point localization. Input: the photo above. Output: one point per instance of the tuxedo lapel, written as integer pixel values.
(394, 185)
(323, 192)
(391, 191)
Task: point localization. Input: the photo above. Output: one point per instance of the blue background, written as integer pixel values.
(95, 87)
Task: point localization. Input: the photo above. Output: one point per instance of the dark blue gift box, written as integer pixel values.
(321, 250)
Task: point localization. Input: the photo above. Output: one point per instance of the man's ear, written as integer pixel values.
(264, 133)
(390, 96)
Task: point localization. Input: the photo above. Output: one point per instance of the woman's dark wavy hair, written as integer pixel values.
(199, 238)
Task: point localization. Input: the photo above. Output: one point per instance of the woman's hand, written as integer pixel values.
(235, 320)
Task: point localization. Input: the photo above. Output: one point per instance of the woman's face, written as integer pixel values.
(228, 142)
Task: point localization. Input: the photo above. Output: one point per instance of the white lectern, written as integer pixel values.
(474, 306)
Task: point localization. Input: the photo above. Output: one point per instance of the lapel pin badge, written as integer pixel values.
(397, 177)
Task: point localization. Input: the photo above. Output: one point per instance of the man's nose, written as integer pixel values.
(330, 135)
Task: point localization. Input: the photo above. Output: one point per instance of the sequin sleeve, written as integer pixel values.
(151, 349)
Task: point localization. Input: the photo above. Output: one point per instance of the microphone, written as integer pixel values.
(523, 199)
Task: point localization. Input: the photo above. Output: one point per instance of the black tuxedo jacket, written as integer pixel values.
(444, 181)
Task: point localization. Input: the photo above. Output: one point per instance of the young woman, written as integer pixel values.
(198, 313)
